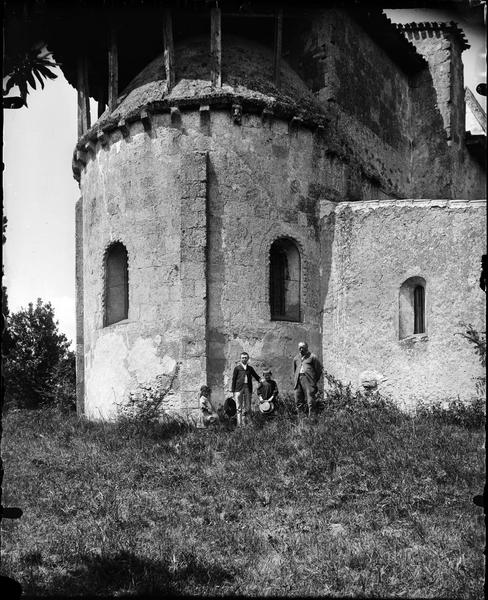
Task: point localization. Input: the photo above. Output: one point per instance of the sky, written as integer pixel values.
(40, 192)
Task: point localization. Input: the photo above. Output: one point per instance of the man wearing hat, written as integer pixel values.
(267, 393)
(307, 371)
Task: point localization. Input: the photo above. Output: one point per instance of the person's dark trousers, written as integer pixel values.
(306, 390)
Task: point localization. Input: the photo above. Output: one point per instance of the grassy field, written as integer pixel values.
(362, 503)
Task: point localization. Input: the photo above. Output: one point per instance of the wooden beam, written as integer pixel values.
(113, 70)
(278, 37)
(169, 52)
(83, 98)
(216, 46)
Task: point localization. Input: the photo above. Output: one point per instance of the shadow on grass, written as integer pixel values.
(126, 573)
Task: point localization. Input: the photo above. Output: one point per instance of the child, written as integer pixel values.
(208, 415)
(267, 393)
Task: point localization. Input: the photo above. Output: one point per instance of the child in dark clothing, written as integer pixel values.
(267, 393)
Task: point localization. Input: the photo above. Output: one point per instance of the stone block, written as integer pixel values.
(195, 254)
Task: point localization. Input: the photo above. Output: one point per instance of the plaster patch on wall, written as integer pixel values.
(108, 378)
(168, 364)
(144, 363)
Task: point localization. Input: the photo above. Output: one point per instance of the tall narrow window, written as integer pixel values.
(284, 281)
(412, 307)
(419, 309)
(116, 284)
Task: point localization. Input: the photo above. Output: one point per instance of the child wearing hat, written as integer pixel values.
(208, 415)
(267, 392)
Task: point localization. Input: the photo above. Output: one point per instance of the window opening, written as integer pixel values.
(116, 284)
(419, 309)
(412, 307)
(284, 281)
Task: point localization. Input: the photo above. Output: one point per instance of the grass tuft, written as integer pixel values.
(363, 500)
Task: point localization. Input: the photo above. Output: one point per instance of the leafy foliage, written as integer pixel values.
(478, 340)
(34, 64)
(145, 405)
(39, 367)
(470, 415)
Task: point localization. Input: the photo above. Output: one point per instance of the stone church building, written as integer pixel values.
(275, 172)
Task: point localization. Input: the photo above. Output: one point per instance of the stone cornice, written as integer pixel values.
(278, 109)
(319, 124)
(408, 203)
(100, 132)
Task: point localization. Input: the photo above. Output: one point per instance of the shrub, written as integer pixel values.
(340, 396)
(144, 413)
(39, 368)
(478, 340)
(470, 415)
(286, 406)
(145, 403)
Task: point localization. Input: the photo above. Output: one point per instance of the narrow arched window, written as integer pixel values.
(412, 307)
(284, 280)
(116, 284)
(419, 309)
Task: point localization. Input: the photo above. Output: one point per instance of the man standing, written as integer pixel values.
(307, 371)
(242, 388)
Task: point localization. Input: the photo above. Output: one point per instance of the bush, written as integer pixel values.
(145, 404)
(478, 340)
(39, 368)
(286, 406)
(470, 415)
(340, 396)
(143, 412)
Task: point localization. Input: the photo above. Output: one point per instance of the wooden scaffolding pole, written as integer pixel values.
(83, 97)
(216, 46)
(278, 36)
(169, 52)
(113, 70)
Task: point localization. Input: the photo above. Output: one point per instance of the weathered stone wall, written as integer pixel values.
(443, 55)
(366, 95)
(79, 258)
(198, 206)
(199, 196)
(430, 173)
(263, 185)
(369, 250)
(403, 135)
(441, 166)
(150, 194)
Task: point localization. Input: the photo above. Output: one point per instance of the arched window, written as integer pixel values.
(419, 309)
(284, 280)
(412, 307)
(116, 284)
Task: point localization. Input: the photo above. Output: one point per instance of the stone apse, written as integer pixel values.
(290, 173)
